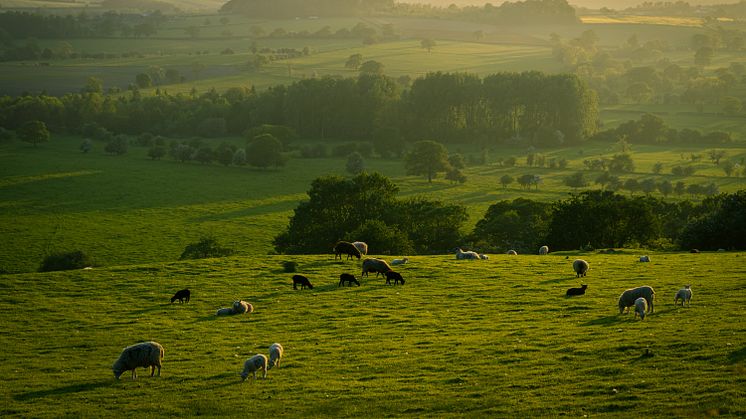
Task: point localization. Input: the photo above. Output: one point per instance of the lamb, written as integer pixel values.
(580, 267)
(460, 254)
(576, 291)
(684, 294)
(275, 355)
(362, 247)
(483, 256)
(512, 252)
(253, 364)
(645, 258)
(543, 250)
(399, 261)
(349, 278)
(241, 307)
(347, 248)
(143, 354)
(303, 281)
(225, 311)
(396, 276)
(628, 297)
(641, 306)
(182, 296)
(379, 266)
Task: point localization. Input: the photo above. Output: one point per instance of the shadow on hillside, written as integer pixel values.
(61, 391)
(739, 355)
(605, 321)
(281, 206)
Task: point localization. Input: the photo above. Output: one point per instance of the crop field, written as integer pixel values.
(460, 338)
(54, 198)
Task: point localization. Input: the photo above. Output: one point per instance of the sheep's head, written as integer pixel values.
(117, 369)
(687, 286)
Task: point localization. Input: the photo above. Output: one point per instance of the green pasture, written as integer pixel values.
(129, 209)
(492, 338)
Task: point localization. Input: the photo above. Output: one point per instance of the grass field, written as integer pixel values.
(54, 198)
(461, 338)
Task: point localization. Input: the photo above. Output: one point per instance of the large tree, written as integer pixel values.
(33, 132)
(427, 158)
(265, 150)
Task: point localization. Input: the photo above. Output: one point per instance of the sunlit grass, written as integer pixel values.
(484, 338)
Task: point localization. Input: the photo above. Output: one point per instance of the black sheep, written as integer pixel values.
(349, 278)
(576, 291)
(182, 295)
(303, 281)
(396, 276)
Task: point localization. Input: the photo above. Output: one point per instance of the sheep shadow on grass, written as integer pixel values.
(62, 391)
(559, 280)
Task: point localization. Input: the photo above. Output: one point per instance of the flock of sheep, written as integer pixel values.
(150, 354)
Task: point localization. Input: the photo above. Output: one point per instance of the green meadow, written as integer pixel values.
(492, 338)
(129, 209)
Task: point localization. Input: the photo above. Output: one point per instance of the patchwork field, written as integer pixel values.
(460, 338)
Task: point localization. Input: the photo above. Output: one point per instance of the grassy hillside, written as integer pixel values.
(461, 338)
(54, 198)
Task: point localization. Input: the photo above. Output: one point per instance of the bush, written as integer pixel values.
(65, 261)
(289, 266)
(207, 247)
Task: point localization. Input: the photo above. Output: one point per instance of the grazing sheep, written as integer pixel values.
(399, 261)
(275, 355)
(576, 291)
(349, 278)
(684, 294)
(362, 247)
(346, 248)
(645, 258)
(512, 252)
(182, 296)
(379, 266)
(253, 364)
(143, 354)
(483, 256)
(694, 251)
(580, 267)
(241, 307)
(628, 297)
(641, 306)
(303, 281)
(225, 311)
(543, 250)
(396, 276)
(460, 254)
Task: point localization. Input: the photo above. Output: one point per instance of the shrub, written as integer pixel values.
(289, 266)
(65, 261)
(207, 247)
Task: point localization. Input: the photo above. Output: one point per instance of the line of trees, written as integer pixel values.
(22, 25)
(366, 208)
(446, 107)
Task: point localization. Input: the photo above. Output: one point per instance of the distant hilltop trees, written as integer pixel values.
(305, 8)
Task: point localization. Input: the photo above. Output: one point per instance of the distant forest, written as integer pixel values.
(292, 8)
(458, 107)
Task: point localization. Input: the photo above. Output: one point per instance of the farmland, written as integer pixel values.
(477, 338)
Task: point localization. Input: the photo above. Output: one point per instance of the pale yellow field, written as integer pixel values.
(644, 20)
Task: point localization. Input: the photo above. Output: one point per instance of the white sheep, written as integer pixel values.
(253, 364)
(483, 256)
(241, 307)
(580, 267)
(362, 247)
(399, 261)
(684, 294)
(275, 355)
(645, 258)
(512, 252)
(143, 354)
(225, 311)
(543, 250)
(641, 306)
(460, 254)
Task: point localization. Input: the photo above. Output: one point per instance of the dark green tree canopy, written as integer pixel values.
(340, 208)
(427, 158)
(33, 132)
(264, 151)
